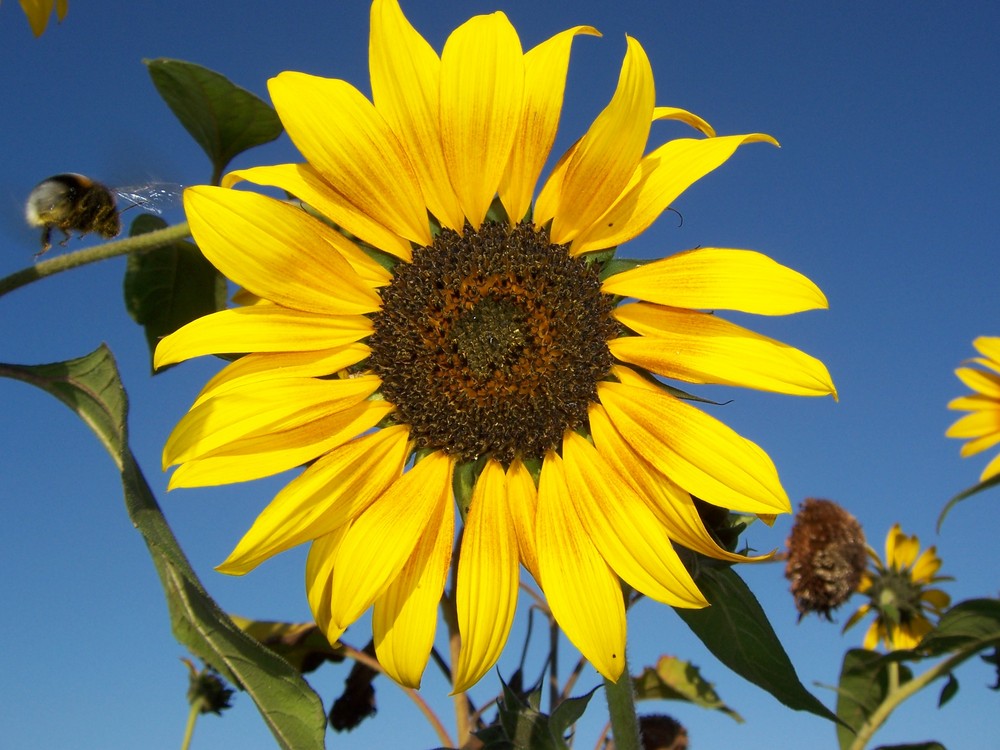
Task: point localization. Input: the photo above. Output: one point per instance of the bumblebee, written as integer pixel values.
(72, 202)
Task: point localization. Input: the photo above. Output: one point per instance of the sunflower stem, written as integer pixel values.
(193, 714)
(621, 708)
(900, 693)
(67, 261)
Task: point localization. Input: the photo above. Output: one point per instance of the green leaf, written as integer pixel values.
(985, 485)
(971, 624)
(674, 679)
(169, 286)
(567, 713)
(223, 118)
(864, 684)
(948, 691)
(91, 387)
(737, 631)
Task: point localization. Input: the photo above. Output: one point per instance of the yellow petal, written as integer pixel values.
(487, 580)
(926, 566)
(672, 505)
(349, 143)
(713, 278)
(545, 68)
(306, 184)
(405, 616)
(279, 450)
(986, 383)
(261, 328)
(259, 368)
(384, 537)
(701, 454)
(976, 424)
(406, 80)
(974, 403)
(682, 115)
(326, 496)
(276, 251)
(626, 532)
(261, 409)
(319, 575)
(522, 499)
(991, 470)
(872, 636)
(605, 158)
(700, 348)
(978, 445)
(656, 183)
(584, 593)
(936, 598)
(482, 83)
(38, 13)
(988, 346)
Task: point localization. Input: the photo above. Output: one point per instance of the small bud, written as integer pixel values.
(826, 557)
(208, 688)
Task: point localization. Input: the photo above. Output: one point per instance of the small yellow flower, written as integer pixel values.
(492, 342)
(899, 593)
(981, 427)
(39, 12)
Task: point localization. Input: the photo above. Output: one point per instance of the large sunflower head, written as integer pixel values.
(419, 331)
(981, 426)
(899, 593)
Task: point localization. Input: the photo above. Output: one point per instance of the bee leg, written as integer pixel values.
(66, 237)
(46, 241)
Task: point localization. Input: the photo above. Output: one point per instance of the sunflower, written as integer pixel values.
(899, 593)
(424, 336)
(982, 426)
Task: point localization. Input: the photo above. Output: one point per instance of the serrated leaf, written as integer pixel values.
(168, 287)
(91, 387)
(736, 630)
(864, 683)
(222, 117)
(948, 691)
(674, 679)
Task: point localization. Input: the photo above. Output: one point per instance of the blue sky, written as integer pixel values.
(884, 192)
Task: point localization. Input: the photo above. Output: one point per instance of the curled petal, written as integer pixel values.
(712, 278)
(657, 182)
(682, 115)
(584, 593)
(603, 161)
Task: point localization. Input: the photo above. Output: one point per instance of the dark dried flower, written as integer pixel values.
(826, 557)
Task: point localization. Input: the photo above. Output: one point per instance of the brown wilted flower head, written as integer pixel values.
(659, 732)
(826, 557)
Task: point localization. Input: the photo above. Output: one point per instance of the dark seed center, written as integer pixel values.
(492, 342)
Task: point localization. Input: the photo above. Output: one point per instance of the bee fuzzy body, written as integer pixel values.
(70, 202)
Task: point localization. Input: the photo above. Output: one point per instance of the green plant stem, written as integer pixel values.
(192, 718)
(621, 709)
(66, 261)
(900, 693)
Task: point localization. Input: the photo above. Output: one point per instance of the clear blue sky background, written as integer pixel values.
(885, 192)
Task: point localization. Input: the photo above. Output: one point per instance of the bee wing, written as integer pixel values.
(155, 197)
